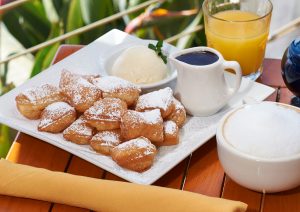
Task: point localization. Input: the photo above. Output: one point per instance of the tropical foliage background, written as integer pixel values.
(39, 20)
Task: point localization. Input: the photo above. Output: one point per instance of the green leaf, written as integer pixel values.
(44, 56)
(5, 141)
(50, 55)
(38, 62)
(159, 43)
(34, 13)
(11, 21)
(60, 6)
(28, 23)
(51, 11)
(94, 10)
(43, 59)
(74, 21)
(151, 46)
(164, 58)
(157, 50)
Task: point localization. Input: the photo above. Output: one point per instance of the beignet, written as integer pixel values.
(171, 134)
(106, 114)
(179, 114)
(118, 88)
(148, 124)
(137, 154)
(161, 99)
(80, 93)
(79, 132)
(57, 117)
(104, 141)
(33, 101)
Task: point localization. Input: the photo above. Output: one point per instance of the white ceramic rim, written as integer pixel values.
(222, 142)
(198, 49)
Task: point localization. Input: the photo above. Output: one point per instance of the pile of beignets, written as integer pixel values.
(107, 113)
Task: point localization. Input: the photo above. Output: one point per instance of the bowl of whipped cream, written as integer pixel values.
(258, 146)
(144, 63)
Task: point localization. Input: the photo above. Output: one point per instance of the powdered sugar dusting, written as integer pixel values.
(170, 127)
(112, 84)
(140, 143)
(107, 138)
(148, 117)
(53, 112)
(80, 126)
(178, 105)
(78, 88)
(107, 107)
(157, 99)
(37, 93)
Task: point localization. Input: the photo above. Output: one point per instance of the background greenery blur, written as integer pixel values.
(39, 20)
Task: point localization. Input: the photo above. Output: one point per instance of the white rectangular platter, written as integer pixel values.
(88, 60)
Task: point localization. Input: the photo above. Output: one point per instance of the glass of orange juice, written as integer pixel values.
(239, 30)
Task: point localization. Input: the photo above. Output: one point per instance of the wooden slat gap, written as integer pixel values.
(51, 207)
(278, 94)
(185, 172)
(223, 185)
(262, 202)
(104, 175)
(68, 163)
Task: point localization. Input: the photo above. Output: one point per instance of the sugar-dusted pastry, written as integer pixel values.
(33, 101)
(171, 134)
(67, 77)
(161, 99)
(104, 141)
(179, 114)
(80, 93)
(57, 117)
(118, 88)
(106, 114)
(90, 77)
(148, 124)
(79, 132)
(137, 154)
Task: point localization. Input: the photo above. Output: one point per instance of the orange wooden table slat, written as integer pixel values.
(205, 174)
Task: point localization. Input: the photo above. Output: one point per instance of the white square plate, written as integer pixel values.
(195, 132)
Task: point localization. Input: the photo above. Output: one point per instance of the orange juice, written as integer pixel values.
(239, 36)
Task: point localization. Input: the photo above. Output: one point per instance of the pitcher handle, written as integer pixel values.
(238, 74)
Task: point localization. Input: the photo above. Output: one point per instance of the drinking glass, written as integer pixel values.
(239, 30)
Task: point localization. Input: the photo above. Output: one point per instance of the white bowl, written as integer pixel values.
(256, 173)
(108, 62)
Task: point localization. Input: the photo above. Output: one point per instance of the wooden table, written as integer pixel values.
(201, 172)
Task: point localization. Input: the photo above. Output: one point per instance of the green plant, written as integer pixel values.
(39, 20)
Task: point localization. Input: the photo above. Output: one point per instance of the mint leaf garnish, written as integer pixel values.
(158, 50)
